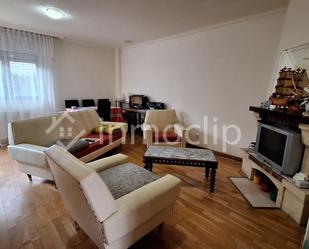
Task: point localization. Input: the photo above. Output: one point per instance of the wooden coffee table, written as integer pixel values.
(183, 156)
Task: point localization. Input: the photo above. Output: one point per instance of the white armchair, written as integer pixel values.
(110, 223)
(162, 127)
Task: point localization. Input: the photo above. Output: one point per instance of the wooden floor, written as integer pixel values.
(32, 214)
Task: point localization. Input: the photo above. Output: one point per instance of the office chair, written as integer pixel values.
(88, 102)
(71, 102)
(104, 109)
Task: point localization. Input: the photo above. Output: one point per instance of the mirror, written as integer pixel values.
(297, 57)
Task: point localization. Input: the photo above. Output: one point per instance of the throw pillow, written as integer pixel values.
(99, 129)
(78, 146)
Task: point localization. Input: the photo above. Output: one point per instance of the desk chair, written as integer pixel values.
(71, 102)
(88, 102)
(104, 109)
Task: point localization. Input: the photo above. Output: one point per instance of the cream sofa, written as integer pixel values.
(162, 127)
(28, 139)
(110, 223)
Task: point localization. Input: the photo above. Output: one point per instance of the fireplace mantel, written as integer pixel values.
(282, 118)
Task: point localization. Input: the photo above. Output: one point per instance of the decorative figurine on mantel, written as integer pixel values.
(290, 90)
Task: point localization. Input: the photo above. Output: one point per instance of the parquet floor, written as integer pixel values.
(32, 214)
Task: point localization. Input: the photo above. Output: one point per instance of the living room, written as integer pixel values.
(154, 124)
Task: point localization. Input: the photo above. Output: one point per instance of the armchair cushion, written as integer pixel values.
(168, 136)
(125, 178)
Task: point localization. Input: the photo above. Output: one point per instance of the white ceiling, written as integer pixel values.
(110, 22)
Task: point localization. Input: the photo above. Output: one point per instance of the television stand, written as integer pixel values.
(261, 163)
(250, 167)
(294, 201)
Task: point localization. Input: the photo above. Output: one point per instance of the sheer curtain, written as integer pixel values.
(26, 76)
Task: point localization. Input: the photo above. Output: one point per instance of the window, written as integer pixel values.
(2, 95)
(23, 78)
(26, 76)
(18, 80)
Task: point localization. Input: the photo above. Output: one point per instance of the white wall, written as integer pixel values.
(294, 33)
(218, 72)
(83, 72)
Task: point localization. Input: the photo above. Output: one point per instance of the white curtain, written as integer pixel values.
(26, 76)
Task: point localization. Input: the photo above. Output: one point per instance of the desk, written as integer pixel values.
(134, 117)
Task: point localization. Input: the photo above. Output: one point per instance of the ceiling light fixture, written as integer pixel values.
(54, 13)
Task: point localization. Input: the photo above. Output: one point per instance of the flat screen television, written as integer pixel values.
(280, 149)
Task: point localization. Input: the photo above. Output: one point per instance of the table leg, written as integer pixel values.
(206, 172)
(139, 118)
(145, 164)
(135, 118)
(148, 165)
(212, 180)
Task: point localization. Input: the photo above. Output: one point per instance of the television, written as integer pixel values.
(281, 149)
(138, 101)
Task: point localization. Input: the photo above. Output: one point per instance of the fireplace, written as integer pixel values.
(292, 200)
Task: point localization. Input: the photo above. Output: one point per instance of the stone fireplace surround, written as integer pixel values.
(294, 201)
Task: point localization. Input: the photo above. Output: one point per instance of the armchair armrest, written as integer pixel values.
(147, 127)
(28, 153)
(147, 134)
(179, 129)
(182, 132)
(141, 205)
(108, 162)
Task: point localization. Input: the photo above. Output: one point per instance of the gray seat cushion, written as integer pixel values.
(125, 178)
